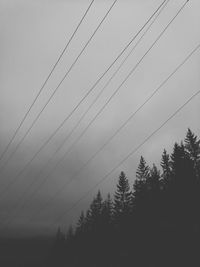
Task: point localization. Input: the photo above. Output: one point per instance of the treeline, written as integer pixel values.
(155, 223)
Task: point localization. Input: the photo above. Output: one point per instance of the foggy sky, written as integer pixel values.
(33, 33)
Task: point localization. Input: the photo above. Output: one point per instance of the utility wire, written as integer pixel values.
(56, 89)
(51, 199)
(28, 188)
(126, 122)
(45, 82)
(128, 156)
(61, 125)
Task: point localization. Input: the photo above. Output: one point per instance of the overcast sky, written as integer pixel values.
(33, 33)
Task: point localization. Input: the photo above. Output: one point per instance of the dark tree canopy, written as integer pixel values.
(157, 223)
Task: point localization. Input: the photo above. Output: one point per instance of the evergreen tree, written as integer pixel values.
(192, 146)
(122, 197)
(154, 180)
(161, 220)
(177, 160)
(142, 172)
(166, 168)
(94, 214)
(153, 205)
(96, 206)
(140, 184)
(182, 166)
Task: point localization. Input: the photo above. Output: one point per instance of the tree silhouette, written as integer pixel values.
(192, 146)
(140, 185)
(122, 197)
(158, 224)
(166, 168)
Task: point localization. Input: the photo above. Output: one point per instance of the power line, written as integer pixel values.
(126, 122)
(56, 89)
(79, 121)
(51, 199)
(129, 155)
(135, 112)
(46, 80)
(119, 87)
(103, 89)
(61, 125)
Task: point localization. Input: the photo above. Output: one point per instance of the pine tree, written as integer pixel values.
(160, 221)
(177, 160)
(154, 180)
(182, 166)
(166, 168)
(192, 146)
(154, 205)
(142, 172)
(140, 184)
(122, 197)
(94, 214)
(96, 206)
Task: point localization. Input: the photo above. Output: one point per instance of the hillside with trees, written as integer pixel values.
(154, 223)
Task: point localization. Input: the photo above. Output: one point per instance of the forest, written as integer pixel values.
(154, 223)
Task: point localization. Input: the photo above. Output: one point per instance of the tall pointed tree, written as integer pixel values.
(166, 168)
(154, 180)
(182, 165)
(95, 212)
(122, 197)
(192, 146)
(154, 193)
(140, 184)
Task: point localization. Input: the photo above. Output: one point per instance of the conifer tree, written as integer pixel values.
(166, 168)
(182, 165)
(160, 221)
(154, 180)
(153, 205)
(192, 146)
(95, 212)
(96, 206)
(177, 160)
(142, 172)
(140, 184)
(122, 197)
